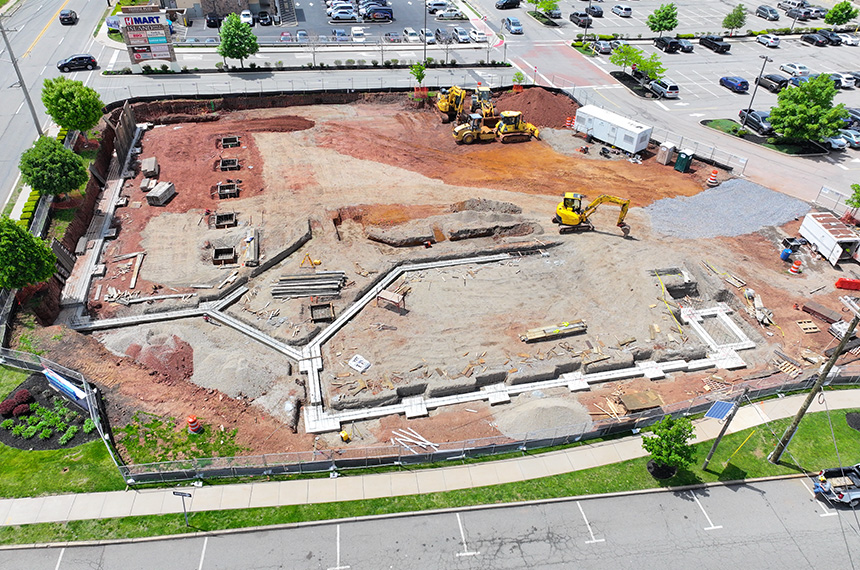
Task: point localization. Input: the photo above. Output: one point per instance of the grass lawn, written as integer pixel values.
(740, 455)
(731, 127)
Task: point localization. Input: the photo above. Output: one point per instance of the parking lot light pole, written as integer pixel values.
(752, 98)
(425, 35)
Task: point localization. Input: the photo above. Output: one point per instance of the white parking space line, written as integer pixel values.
(113, 59)
(60, 559)
(466, 551)
(203, 553)
(712, 527)
(827, 512)
(702, 86)
(337, 561)
(587, 524)
(662, 106)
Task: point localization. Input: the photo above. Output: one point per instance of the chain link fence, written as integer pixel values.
(702, 151)
(834, 201)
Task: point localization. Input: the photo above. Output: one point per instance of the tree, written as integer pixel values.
(853, 201)
(807, 112)
(544, 5)
(663, 19)
(72, 105)
(24, 258)
(625, 55)
(651, 67)
(237, 40)
(669, 446)
(841, 13)
(736, 19)
(51, 168)
(418, 71)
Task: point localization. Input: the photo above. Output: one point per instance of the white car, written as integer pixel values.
(427, 35)
(358, 34)
(461, 36)
(845, 81)
(411, 36)
(477, 36)
(339, 6)
(849, 39)
(768, 40)
(344, 15)
(795, 69)
(622, 10)
(836, 142)
(246, 17)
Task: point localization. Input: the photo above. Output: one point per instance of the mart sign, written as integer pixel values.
(155, 19)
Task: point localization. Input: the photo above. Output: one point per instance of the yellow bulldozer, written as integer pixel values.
(475, 129)
(572, 217)
(482, 103)
(512, 128)
(449, 103)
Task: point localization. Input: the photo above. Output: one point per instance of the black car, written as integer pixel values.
(442, 36)
(756, 120)
(715, 43)
(801, 14)
(595, 11)
(773, 82)
(581, 19)
(668, 45)
(68, 17)
(76, 62)
(507, 4)
(213, 20)
(264, 18)
(814, 39)
(831, 37)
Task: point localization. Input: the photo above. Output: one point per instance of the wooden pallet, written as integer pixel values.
(808, 327)
(789, 369)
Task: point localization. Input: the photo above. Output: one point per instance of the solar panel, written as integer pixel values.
(719, 410)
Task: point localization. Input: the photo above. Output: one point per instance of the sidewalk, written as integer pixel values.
(61, 508)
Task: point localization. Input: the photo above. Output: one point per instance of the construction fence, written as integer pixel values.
(834, 201)
(702, 151)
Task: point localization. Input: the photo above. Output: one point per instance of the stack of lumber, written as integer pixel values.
(554, 331)
(321, 283)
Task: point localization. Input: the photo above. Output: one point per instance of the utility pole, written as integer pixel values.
(726, 423)
(21, 80)
(776, 455)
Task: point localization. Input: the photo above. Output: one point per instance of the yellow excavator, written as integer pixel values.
(475, 129)
(449, 103)
(572, 217)
(482, 103)
(512, 128)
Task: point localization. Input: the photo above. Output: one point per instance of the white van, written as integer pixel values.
(358, 34)
(434, 6)
(789, 4)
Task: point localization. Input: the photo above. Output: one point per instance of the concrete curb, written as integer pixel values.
(410, 514)
(702, 123)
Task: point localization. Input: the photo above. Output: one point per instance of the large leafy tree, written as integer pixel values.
(670, 444)
(24, 258)
(625, 55)
(71, 104)
(652, 67)
(807, 112)
(51, 168)
(663, 19)
(841, 13)
(237, 39)
(735, 19)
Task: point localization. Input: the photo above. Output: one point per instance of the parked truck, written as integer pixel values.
(830, 237)
(839, 485)
(612, 129)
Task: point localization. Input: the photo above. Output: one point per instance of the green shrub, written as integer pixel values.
(387, 63)
(338, 62)
(576, 44)
(350, 62)
(67, 437)
(29, 432)
(219, 65)
(685, 36)
(45, 433)
(362, 62)
(8, 424)
(18, 429)
(89, 425)
(395, 61)
(605, 37)
(252, 65)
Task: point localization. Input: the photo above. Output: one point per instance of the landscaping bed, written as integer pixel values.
(632, 84)
(732, 127)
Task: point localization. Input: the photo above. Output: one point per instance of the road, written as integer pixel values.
(775, 524)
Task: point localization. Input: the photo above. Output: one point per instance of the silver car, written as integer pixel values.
(427, 36)
(851, 136)
(836, 142)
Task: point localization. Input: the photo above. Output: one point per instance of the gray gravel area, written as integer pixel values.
(735, 207)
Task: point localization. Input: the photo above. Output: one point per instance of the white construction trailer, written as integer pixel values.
(830, 237)
(612, 129)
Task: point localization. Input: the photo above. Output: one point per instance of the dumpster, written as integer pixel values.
(682, 163)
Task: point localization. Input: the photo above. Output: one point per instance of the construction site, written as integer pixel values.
(318, 273)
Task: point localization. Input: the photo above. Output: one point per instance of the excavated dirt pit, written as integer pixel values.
(347, 171)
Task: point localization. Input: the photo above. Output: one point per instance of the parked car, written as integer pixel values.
(817, 12)
(76, 62)
(602, 46)
(814, 39)
(615, 44)
(768, 40)
(442, 36)
(213, 20)
(477, 36)
(664, 88)
(286, 38)
(411, 36)
(581, 19)
(553, 13)
(756, 120)
(68, 17)
(426, 35)
(344, 15)
(338, 6)
(512, 25)
(668, 45)
(800, 14)
(246, 17)
(265, 18)
(686, 46)
(853, 115)
(842, 80)
(434, 6)
(851, 136)
(849, 39)
(379, 14)
(767, 12)
(339, 35)
(595, 11)
(836, 142)
(452, 14)
(622, 10)
(798, 80)
(794, 69)
(735, 83)
(715, 43)
(302, 36)
(461, 36)
(832, 37)
(507, 4)
(393, 37)
(773, 82)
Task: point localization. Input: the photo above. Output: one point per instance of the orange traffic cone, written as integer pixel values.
(712, 181)
(795, 268)
(193, 425)
(568, 124)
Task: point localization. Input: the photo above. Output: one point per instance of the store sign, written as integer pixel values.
(154, 19)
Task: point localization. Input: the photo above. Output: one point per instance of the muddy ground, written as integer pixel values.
(349, 170)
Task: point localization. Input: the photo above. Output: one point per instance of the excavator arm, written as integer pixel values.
(603, 199)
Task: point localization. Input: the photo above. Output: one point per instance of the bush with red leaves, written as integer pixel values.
(23, 397)
(7, 407)
(21, 410)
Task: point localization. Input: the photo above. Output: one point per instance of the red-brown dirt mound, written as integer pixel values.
(540, 107)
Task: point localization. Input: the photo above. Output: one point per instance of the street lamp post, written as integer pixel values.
(425, 35)
(765, 61)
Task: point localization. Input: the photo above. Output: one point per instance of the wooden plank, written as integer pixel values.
(136, 269)
(829, 316)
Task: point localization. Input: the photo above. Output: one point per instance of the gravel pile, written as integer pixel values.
(735, 207)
